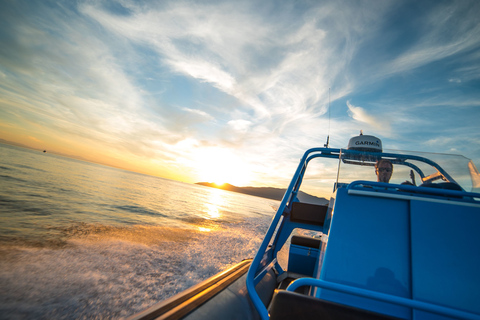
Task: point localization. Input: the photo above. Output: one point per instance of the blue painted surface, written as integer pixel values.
(405, 251)
(446, 254)
(302, 260)
(369, 248)
(419, 249)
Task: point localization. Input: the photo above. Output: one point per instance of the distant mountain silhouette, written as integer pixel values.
(266, 192)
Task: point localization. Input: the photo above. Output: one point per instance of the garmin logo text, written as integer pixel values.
(367, 143)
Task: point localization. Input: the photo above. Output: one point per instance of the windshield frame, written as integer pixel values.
(409, 159)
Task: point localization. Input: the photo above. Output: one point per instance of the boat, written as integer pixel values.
(377, 250)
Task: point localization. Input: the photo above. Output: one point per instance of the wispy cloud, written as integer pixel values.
(273, 66)
(380, 124)
(448, 29)
(148, 79)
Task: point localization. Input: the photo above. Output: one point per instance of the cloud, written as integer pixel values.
(189, 41)
(72, 78)
(240, 125)
(361, 115)
(205, 71)
(274, 67)
(231, 74)
(447, 30)
(200, 113)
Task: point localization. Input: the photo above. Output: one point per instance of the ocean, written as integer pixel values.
(80, 240)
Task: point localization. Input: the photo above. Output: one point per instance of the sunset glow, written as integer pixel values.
(221, 166)
(227, 92)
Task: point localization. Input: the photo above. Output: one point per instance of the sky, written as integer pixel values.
(236, 91)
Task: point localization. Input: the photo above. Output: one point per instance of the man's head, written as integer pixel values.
(384, 170)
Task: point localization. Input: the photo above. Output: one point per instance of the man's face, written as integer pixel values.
(384, 172)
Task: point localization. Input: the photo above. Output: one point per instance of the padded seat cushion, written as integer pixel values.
(306, 242)
(308, 213)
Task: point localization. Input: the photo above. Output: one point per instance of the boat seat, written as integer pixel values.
(288, 305)
(308, 213)
(303, 255)
(306, 242)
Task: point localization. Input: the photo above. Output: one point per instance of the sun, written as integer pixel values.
(218, 184)
(220, 166)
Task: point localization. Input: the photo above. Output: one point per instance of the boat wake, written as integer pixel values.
(112, 272)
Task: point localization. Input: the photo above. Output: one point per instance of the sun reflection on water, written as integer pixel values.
(213, 204)
(212, 211)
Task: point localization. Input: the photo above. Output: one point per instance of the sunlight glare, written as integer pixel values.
(221, 166)
(212, 211)
(215, 200)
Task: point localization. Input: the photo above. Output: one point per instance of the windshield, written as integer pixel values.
(323, 174)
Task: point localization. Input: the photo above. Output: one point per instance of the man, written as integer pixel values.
(384, 170)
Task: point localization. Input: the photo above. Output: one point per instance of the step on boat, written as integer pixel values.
(376, 250)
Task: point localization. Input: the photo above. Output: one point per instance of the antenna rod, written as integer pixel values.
(328, 133)
(329, 111)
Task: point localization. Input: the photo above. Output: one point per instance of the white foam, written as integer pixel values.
(116, 273)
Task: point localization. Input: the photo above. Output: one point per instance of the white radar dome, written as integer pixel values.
(365, 143)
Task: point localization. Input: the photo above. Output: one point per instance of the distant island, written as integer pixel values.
(265, 192)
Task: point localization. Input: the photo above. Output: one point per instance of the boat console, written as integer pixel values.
(380, 250)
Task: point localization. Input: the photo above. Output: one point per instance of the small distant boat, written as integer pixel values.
(378, 251)
(44, 151)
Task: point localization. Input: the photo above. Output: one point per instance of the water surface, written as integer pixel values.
(82, 240)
